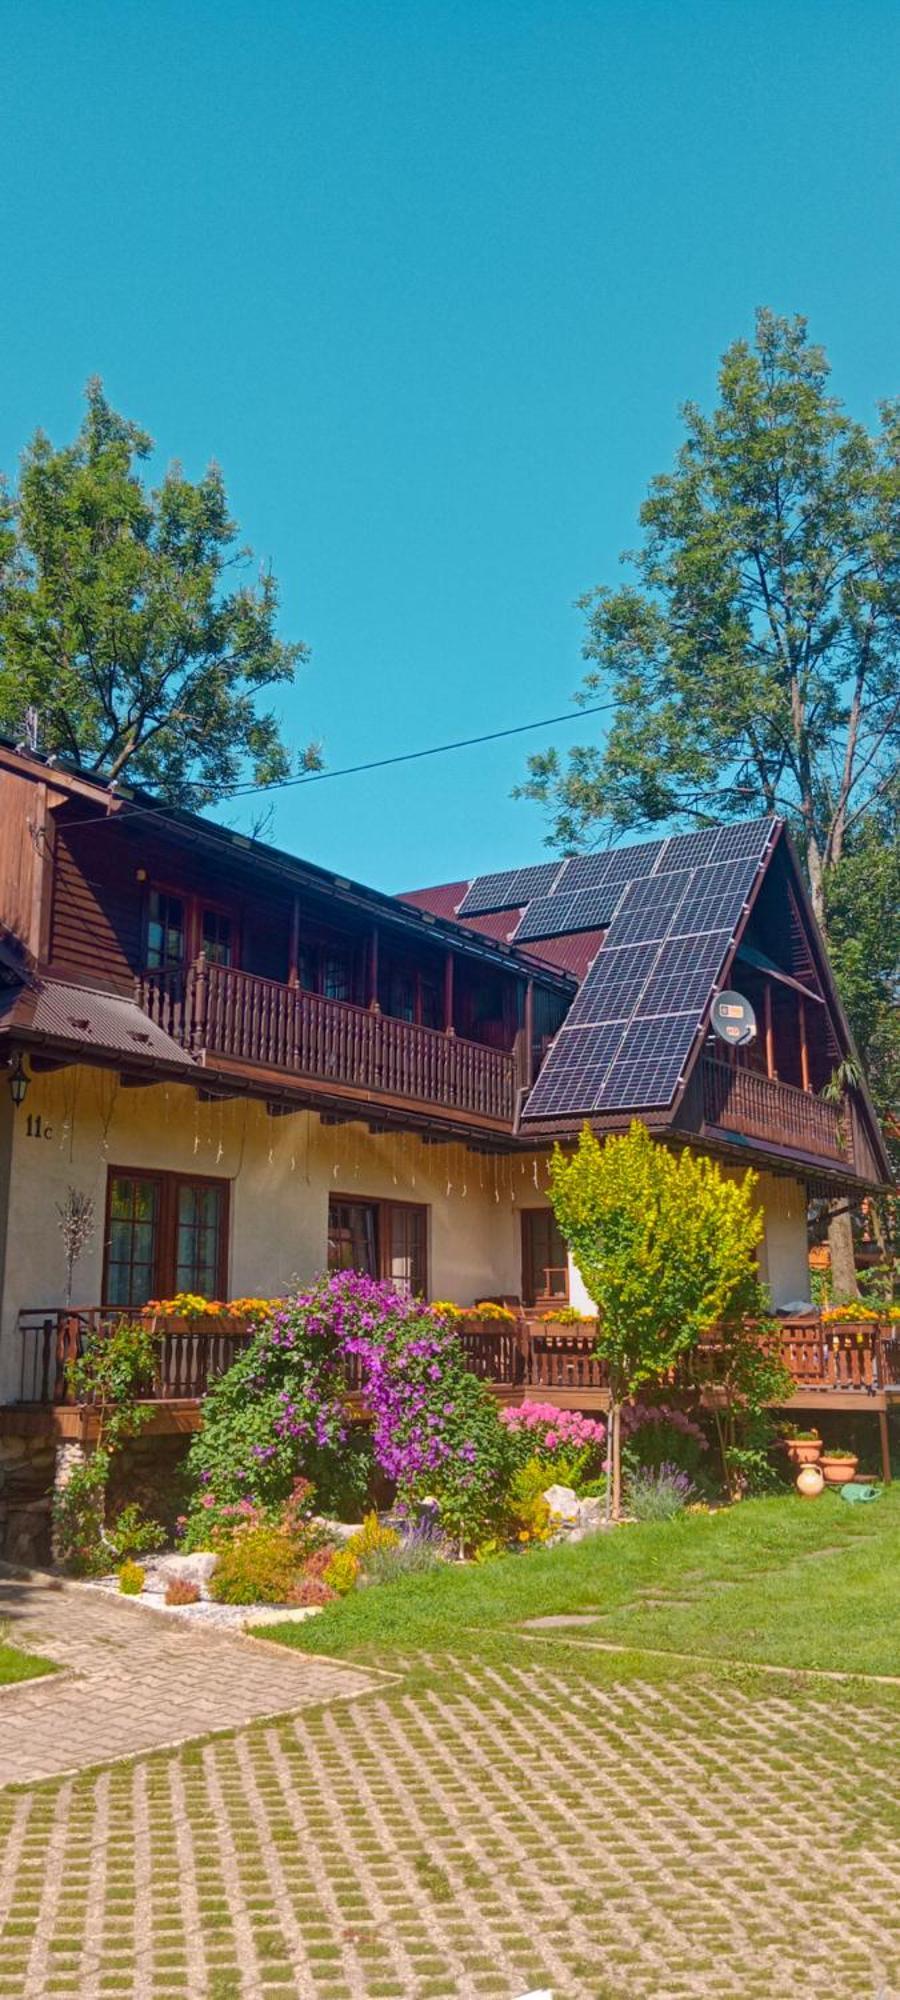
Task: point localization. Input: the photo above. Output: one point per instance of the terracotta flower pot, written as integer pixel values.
(837, 1471)
(804, 1451)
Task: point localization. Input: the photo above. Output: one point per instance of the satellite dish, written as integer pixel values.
(733, 1019)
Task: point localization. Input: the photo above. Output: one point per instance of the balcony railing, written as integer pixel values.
(742, 1100)
(217, 1011)
(536, 1358)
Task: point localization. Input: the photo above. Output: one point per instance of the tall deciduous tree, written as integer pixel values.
(752, 662)
(667, 1249)
(125, 621)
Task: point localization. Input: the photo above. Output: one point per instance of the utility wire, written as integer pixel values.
(348, 770)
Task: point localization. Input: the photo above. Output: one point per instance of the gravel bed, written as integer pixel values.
(231, 1617)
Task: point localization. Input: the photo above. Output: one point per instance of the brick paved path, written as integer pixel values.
(468, 1828)
(140, 1681)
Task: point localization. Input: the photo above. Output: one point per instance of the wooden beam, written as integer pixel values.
(448, 994)
(771, 1071)
(804, 1046)
(525, 1067)
(373, 970)
(294, 948)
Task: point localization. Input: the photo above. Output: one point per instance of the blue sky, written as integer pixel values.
(430, 282)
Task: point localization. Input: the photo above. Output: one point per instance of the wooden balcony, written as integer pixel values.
(736, 1099)
(218, 1013)
(538, 1358)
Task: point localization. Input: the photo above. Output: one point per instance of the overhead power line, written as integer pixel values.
(355, 770)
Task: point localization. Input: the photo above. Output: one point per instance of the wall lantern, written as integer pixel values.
(18, 1080)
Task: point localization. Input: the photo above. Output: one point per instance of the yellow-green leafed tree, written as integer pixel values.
(667, 1249)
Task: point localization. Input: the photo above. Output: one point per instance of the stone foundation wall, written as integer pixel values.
(149, 1472)
(27, 1466)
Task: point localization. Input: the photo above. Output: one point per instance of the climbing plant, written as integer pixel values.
(285, 1408)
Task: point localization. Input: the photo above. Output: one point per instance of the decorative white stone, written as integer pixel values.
(196, 1568)
(591, 1515)
(563, 1504)
(338, 1531)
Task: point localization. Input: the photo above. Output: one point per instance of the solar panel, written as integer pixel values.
(612, 986)
(715, 898)
(670, 909)
(561, 915)
(691, 850)
(746, 837)
(663, 891)
(683, 974)
(626, 864)
(581, 1063)
(507, 891)
(649, 1062)
(640, 926)
(586, 871)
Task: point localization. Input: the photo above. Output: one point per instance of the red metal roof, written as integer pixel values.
(54, 1011)
(565, 954)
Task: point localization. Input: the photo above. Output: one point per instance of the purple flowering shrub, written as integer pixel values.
(658, 1493)
(282, 1410)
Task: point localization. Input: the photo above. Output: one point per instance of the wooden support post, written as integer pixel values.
(804, 1048)
(195, 1003)
(885, 1436)
(294, 949)
(449, 1029)
(526, 1076)
(770, 1032)
(374, 1006)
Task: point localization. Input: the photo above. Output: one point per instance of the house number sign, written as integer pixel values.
(35, 1127)
(733, 1019)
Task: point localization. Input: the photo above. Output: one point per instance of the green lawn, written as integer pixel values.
(782, 1581)
(18, 1666)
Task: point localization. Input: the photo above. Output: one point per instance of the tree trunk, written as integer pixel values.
(614, 1477)
(844, 1281)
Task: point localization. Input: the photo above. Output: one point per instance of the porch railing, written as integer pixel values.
(188, 1357)
(217, 1011)
(520, 1354)
(742, 1100)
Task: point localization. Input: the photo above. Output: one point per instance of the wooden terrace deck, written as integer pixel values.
(853, 1367)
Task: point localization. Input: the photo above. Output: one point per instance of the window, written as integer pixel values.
(402, 997)
(353, 1237)
(132, 1240)
(386, 1239)
(216, 937)
(545, 1262)
(432, 1005)
(165, 930)
(337, 982)
(165, 1233)
(198, 1244)
(405, 1257)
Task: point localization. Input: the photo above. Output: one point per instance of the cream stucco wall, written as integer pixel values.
(281, 1172)
(77, 1123)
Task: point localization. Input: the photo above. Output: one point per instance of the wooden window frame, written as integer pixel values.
(382, 1203)
(166, 1250)
(195, 907)
(541, 1298)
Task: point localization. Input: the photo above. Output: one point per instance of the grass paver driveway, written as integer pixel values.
(517, 1808)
